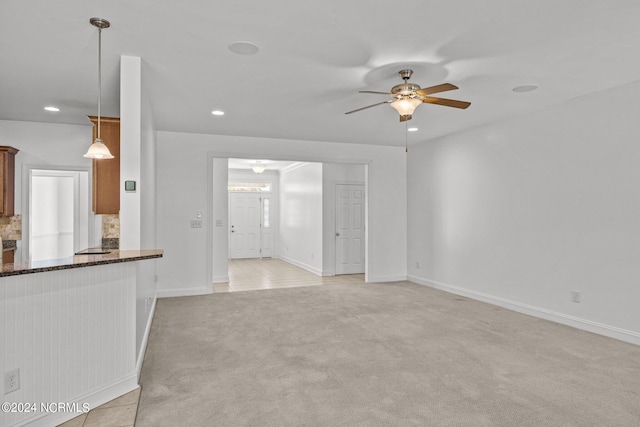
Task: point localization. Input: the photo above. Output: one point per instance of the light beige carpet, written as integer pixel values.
(394, 354)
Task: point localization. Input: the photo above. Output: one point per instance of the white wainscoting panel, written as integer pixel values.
(72, 335)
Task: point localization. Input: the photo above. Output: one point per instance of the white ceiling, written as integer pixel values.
(314, 56)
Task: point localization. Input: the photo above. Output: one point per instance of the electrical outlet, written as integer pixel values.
(196, 223)
(576, 296)
(11, 381)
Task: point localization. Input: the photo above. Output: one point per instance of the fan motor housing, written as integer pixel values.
(405, 89)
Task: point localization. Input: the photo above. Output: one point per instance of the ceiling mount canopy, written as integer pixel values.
(407, 96)
(98, 150)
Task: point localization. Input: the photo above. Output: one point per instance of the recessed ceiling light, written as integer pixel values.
(52, 108)
(525, 88)
(243, 48)
(217, 113)
(412, 129)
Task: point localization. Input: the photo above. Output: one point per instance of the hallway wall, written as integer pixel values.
(300, 237)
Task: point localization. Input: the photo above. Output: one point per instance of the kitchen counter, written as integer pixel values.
(77, 329)
(78, 261)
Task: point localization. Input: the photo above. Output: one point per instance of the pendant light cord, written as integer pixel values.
(99, 76)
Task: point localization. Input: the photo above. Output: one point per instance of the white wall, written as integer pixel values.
(184, 186)
(44, 144)
(526, 211)
(138, 209)
(130, 150)
(216, 263)
(332, 174)
(300, 235)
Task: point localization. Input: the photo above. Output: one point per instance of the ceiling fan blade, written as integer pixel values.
(368, 106)
(373, 91)
(435, 89)
(446, 102)
(405, 117)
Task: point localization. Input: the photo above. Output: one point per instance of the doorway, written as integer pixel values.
(58, 214)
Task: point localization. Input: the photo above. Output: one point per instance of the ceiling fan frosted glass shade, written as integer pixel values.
(98, 150)
(406, 106)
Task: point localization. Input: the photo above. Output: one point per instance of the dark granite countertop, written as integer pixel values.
(79, 261)
(8, 245)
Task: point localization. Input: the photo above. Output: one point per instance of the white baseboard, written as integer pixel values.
(542, 313)
(301, 265)
(220, 279)
(187, 292)
(94, 399)
(381, 279)
(145, 338)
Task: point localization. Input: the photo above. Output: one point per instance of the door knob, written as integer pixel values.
(337, 234)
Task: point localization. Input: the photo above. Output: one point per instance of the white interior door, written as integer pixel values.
(349, 229)
(244, 225)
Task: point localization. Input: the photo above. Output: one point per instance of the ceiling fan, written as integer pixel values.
(407, 96)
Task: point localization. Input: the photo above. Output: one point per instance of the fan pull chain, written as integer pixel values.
(406, 136)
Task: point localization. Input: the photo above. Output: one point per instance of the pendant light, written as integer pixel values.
(98, 149)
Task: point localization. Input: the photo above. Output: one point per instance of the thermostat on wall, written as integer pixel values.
(130, 186)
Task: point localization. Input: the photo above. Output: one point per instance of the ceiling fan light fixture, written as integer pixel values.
(258, 167)
(406, 106)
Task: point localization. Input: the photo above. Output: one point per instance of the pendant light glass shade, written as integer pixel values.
(98, 150)
(406, 106)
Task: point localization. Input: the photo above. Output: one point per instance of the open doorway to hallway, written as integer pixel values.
(57, 217)
(311, 215)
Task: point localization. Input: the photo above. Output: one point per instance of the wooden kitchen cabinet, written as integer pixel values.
(7, 179)
(8, 256)
(106, 172)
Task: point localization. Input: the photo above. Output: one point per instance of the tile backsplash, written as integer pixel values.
(110, 231)
(111, 226)
(11, 227)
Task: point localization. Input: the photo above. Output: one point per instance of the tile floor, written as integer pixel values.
(272, 273)
(244, 275)
(120, 412)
